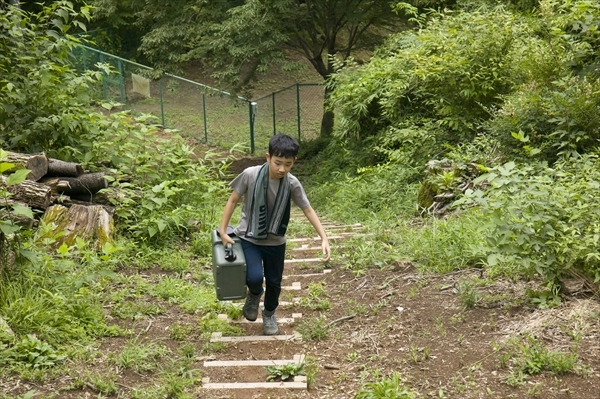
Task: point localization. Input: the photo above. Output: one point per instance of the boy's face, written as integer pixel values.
(279, 166)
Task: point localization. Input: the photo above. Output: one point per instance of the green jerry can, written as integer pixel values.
(229, 267)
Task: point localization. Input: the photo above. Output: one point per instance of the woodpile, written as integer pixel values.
(64, 193)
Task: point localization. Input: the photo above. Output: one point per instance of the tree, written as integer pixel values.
(239, 39)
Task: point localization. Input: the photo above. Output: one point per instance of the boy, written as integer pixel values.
(266, 191)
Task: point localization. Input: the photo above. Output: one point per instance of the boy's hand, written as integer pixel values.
(326, 250)
(225, 239)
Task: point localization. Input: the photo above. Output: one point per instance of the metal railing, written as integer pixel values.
(208, 114)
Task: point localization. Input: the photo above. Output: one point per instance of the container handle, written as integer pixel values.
(230, 256)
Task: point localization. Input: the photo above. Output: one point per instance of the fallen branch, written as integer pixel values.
(341, 319)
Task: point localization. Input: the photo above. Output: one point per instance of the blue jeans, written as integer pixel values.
(267, 258)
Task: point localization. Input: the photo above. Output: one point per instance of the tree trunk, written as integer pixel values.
(34, 194)
(86, 184)
(327, 120)
(36, 163)
(91, 223)
(56, 167)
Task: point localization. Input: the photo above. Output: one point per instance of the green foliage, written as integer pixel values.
(316, 298)
(43, 101)
(314, 329)
(543, 220)
(30, 352)
(551, 119)
(286, 372)
(448, 74)
(527, 356)
(386, 388)
(140, 356)
(172, 188)
(53, 299)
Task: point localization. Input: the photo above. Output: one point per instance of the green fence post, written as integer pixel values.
(84, 59)
(121, 80)
(252, 110)
(298, 107)
(204, 117)
(162, 107)
(104, 77)
(274, 116)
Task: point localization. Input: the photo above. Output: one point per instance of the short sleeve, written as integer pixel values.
(240, 183)
(298, 194)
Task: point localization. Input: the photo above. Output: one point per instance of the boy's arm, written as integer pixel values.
(234, 198)
(312, 217)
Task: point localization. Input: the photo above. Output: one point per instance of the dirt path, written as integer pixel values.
(353, 328)
(349, 327)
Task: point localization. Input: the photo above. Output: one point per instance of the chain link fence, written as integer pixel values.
(207, 114)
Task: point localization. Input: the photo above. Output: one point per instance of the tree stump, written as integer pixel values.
(36, 163)
(91, 223)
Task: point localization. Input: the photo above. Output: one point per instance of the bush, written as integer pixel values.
(542, 220)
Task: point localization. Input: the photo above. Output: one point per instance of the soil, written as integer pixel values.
(387, 319)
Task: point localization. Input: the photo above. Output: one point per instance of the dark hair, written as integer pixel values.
(282, 145)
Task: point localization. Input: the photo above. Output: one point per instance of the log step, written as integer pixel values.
(298, 359)
(218, 337)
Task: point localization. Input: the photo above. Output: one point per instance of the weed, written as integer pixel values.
(30, 352)
(181, 332)
(316, 298)
(352, 356)
(355, 308)
(140, 356)
(105, 384)
(439, 323)
(385, 388)
(468, 294)
(311, 368)
(314, 329)
(285, 372)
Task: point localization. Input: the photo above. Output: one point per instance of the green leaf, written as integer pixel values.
(152, 231)
(18, 177)
(22, 210)
(4, 166)
(8, 227)
(161, 225)
(63, 249)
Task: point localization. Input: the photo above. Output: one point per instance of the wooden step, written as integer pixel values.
(300, 382)
(305, 260)
(338, 236)
(325, 271)
(283, 320)
(298, 359)
(218, 337)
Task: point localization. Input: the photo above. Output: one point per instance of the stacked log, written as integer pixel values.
(50, 186)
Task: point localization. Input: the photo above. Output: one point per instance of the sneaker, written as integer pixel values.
(269, 323)
(250, 309)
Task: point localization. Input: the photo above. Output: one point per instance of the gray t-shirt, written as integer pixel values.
(243, 185)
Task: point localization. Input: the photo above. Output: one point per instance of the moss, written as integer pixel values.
(426, 193)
